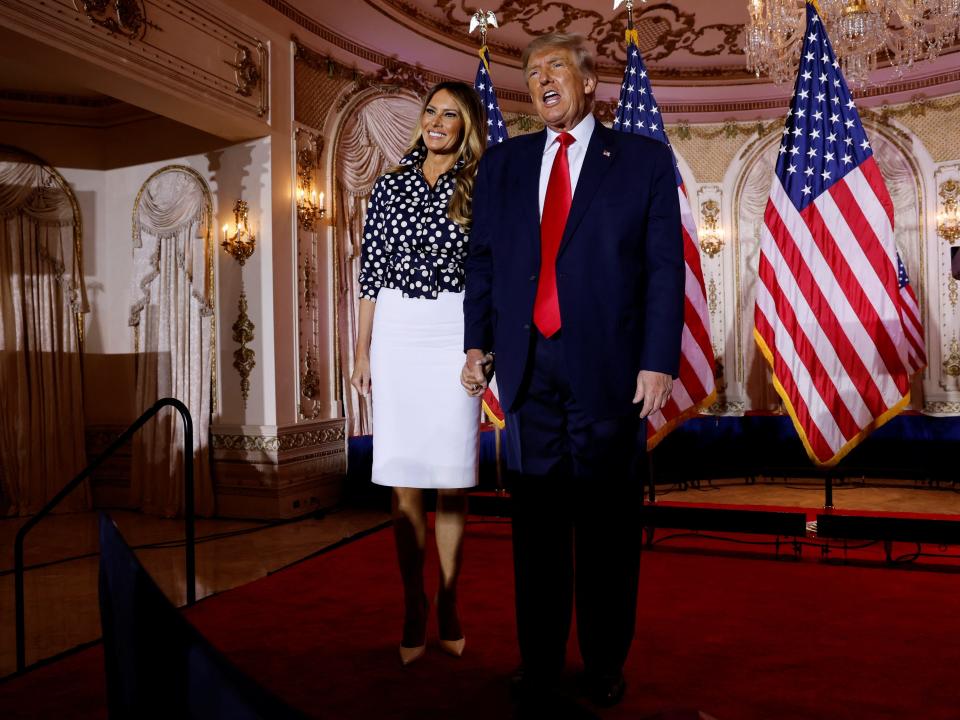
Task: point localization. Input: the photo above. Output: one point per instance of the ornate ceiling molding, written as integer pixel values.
(663, 29)
(506, 95)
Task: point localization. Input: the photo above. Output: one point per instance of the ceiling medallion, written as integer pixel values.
(902, 32)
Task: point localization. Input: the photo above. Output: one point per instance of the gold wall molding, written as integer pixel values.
(244, 358)
(185, 59)
(942, 407)
(951, 363)
(283, 439)
(269, 471)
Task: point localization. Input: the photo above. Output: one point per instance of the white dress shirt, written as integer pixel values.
(576, 151)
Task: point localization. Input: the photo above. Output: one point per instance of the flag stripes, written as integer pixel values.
(835, 316)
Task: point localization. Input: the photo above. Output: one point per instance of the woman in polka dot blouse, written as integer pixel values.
(410, 349)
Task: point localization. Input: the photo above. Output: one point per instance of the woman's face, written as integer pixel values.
(442, 124)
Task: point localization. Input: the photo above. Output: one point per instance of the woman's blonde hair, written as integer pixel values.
(472, 145)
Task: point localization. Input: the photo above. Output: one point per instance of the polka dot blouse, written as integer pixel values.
(409, 242)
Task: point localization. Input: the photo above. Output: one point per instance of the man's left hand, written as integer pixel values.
(653, 389)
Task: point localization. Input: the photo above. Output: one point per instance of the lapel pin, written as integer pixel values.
(606, 153)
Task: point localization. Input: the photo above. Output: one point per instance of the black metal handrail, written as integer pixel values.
(85, 473)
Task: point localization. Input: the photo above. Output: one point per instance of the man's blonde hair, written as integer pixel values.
(576, 44)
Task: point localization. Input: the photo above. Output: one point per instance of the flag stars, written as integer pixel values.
(832, 137)
(847, 159)
(851, 105)
(821, 96)
(812, 152)
(825, 175)
(828, 157)
(794, 150)
(792, 169)
(806, 190)
(849, 123)
(818, 115)
(812, 37)
(808, 171)
(809, 58)
(865, 145)
(803, 94)
(806, 75)
(814, 134)
(834, 118)
(823, 77)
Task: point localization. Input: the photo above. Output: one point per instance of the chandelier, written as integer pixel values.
(902, 32)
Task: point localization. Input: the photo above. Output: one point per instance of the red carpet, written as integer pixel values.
(739, 638)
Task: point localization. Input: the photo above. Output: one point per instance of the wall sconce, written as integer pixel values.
(948, 219)
(310, 210)
(710, 233)
(241, 242)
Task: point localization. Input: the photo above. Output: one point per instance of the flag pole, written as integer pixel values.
(483, 19)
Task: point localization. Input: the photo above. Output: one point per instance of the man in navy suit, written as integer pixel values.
(575, 284)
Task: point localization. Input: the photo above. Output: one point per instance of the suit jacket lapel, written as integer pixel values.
(600, 153)
(528, 177)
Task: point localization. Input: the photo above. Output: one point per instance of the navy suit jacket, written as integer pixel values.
(620, 268)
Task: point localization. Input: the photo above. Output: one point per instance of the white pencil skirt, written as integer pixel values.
(426, 429)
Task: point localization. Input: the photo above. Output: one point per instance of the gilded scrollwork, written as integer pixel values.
(951, 363)
(663, 28)
(244, 358)
(393, 77)
(119, 17)
(249, 74)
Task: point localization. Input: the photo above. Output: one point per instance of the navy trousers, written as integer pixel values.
(577, 489)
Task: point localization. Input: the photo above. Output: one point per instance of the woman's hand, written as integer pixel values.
(360, 379)
(476, 371)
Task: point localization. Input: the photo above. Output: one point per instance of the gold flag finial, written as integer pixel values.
(483, 19)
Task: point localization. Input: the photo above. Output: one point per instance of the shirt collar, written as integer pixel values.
(581, 133)
(415, 159)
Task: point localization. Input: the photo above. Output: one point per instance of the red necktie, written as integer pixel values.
(556, 207)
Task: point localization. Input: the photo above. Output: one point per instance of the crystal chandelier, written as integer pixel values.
(903, 32)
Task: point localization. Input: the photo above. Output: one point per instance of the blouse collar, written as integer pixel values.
(415, 159)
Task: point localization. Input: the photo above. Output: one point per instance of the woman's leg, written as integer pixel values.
(450, 521)
(410, 533)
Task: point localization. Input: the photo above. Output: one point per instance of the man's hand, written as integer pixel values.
(476, 370)
(653, 389)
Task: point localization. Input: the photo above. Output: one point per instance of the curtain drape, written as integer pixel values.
(41, 295)
(372, 140)
(171, 317)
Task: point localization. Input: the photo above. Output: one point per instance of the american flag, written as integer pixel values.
(830, 313)
(496, 129)
(496, 133)
(637, 112)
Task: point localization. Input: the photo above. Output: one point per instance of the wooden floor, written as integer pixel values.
(61, 552)
(61, 556)
(867, 495)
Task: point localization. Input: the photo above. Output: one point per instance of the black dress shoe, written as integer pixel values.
(603, 689)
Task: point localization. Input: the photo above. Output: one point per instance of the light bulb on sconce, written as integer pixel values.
(710, 233)
(241, 242)
(310, 209)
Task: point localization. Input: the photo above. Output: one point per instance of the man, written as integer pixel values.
(575, 280)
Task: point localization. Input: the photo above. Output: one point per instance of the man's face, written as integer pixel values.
(560, 93)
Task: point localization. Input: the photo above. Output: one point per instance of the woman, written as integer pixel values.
(410, 349)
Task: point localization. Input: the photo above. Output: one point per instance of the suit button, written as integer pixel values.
(533, 277)
(561, 275)
(526, 326)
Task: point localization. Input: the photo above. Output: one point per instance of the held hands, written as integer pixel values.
(476, 370)
(360, 379)
(653, 389)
